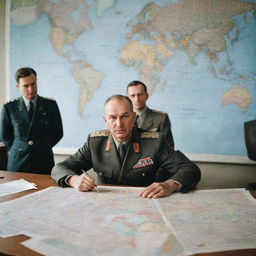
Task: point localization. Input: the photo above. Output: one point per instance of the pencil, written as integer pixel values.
(91, 178)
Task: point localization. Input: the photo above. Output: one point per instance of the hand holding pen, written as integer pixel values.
(91, 180)
(82, 182)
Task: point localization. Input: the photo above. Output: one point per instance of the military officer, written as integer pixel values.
(148, 119)
(30, 126)
(126, 155)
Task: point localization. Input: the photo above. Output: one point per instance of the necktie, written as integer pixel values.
(138, 121)
(31, 110)
(135, 122)
(121, 151)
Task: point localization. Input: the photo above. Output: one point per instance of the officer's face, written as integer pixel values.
(138, 96)
(28, 87)
(119, 119)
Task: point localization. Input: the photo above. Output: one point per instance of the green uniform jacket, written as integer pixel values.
(30, 144)
(157, 121)
(147, 160)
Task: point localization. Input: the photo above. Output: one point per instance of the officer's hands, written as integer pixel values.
(159, 189)
(82, 182)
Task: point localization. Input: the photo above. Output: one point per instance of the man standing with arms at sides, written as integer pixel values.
(30, 126)
(126, 155)
(148, 119)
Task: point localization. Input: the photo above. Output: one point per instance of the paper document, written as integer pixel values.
(117, 221)
(15, 186)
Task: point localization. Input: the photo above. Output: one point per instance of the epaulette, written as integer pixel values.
(13, 100)
(158, 111)
(150, 135)
(100, 133)
(46, 98)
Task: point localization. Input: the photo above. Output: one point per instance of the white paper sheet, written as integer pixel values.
(15, 186)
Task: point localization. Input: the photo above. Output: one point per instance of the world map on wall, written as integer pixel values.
(197, 58)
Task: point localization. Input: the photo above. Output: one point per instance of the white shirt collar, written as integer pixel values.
(26, 101)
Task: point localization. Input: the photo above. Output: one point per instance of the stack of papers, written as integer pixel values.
(15, 186)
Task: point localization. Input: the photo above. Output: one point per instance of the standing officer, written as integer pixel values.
(30, 126)
(126, 155)
(148, 119)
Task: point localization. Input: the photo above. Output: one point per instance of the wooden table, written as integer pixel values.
(12, 246)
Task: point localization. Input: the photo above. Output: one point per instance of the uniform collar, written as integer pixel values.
(26, 101)
(134, 140)
(117, 143)
(142, 113)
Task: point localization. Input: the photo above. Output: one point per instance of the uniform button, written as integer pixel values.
(100, 173)
(30, 142)
(143, 174)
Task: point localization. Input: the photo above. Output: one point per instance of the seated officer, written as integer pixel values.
(143, 159)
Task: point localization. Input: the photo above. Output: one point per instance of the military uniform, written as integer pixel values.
(146, 161)
(30, 143)
(153, 120)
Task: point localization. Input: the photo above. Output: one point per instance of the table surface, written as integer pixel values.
(12, 246)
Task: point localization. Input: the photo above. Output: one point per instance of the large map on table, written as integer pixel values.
(197, 58)
(117, 221)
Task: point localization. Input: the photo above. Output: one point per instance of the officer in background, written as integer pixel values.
(30, 126)
(148, 119)
(126, 155)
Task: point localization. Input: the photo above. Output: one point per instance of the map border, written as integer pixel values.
(208, 158)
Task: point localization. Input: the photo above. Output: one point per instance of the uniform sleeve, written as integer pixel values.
(74, 164)
(165, 128)
(178, 167)
(6, 129)
(56, 125)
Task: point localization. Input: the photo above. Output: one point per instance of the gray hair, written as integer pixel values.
(121, 98)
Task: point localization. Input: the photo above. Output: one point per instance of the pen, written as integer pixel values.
(90, 178)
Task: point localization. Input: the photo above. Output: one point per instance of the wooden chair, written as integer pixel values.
(250, 138)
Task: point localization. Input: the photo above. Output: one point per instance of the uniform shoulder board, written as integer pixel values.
(46, 98)
(150, 135)
(13, 100)
(100, 133)
(158, 111)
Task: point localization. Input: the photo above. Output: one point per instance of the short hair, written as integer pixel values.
(24, 72)
(135, 83)
(121, 98)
